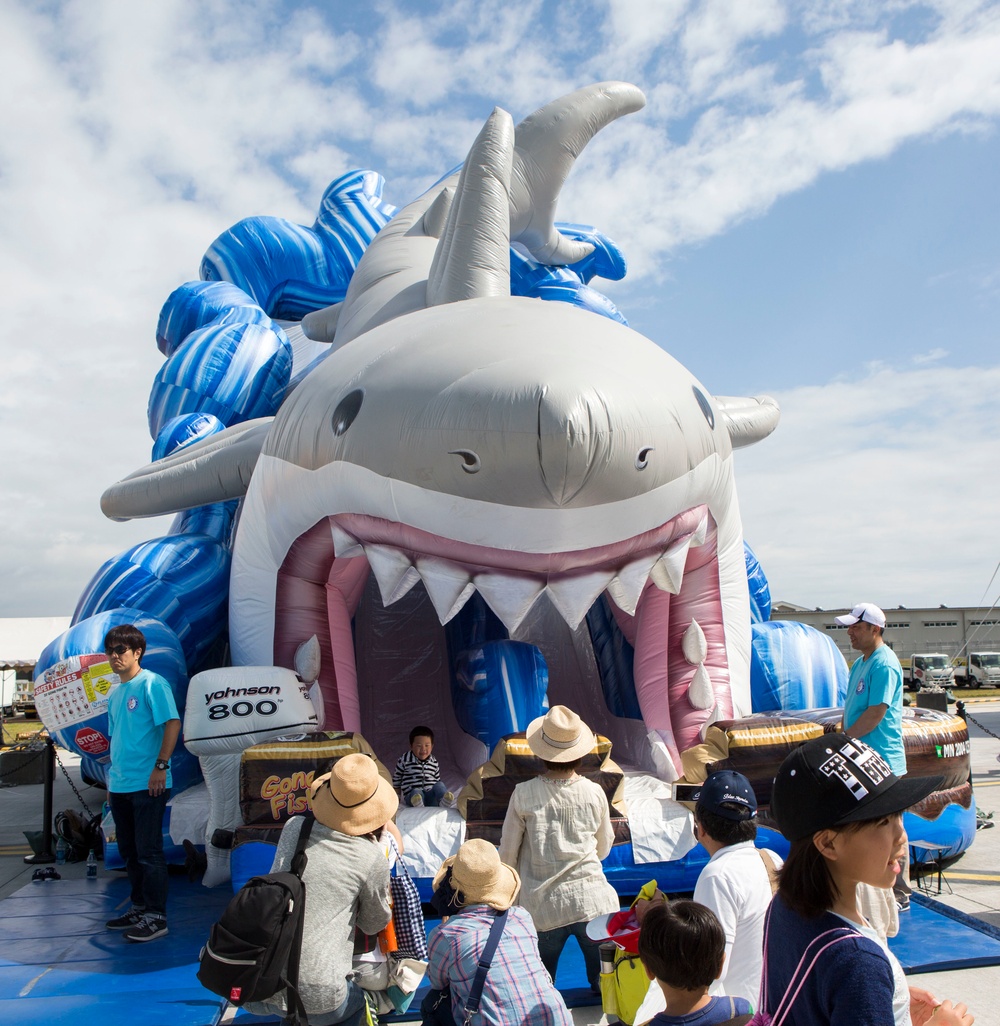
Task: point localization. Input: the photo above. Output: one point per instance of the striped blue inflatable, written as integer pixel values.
(197, 303)
(291, 270)
(233, 371)
(181, 579)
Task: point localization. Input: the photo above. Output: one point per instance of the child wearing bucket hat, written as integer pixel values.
(347, 885)
(841, 806)
(518, 989)
(556, 832)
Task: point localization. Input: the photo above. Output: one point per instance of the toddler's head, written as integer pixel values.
(422, 742)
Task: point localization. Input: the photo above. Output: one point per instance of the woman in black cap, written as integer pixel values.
(841, 807)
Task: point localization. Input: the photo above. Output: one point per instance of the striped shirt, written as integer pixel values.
(518, 990)
(413, 774)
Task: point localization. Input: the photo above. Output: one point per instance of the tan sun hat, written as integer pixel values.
(480, 876)
(353, 798)
(560, 736)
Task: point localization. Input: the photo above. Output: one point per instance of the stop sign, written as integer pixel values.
(91, 741)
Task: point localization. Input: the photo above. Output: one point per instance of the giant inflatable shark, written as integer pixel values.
(460, 441)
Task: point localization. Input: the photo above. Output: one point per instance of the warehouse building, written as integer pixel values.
(953, 631)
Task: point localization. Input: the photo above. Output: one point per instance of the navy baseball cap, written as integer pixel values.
(722, 791)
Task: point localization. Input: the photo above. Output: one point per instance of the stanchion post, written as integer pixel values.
(960, 709)
(48, 782)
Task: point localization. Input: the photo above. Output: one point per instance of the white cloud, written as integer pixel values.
(134, 133)
(880, 486)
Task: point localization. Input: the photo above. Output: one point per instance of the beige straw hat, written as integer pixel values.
(560, 736)
(353, 798)
(480, 876)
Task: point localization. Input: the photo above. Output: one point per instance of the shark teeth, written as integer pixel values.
(511, 595)
(573, 596)
(393, 570)
(448, 586)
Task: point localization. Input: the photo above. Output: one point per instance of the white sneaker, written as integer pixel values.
(416, 800)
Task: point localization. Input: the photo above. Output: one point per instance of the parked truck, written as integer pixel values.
(8, 682)
(980, 670)
(928, 669)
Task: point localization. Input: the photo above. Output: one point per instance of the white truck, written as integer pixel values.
(8, 684)
(928, 669)
(981, 670)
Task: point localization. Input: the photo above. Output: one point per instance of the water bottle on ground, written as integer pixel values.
(91, 865)
(60, 852)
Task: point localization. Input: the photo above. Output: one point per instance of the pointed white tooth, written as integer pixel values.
(573, 596)
(343, 544)
(694, 646)
(308, 660)
(701, 531)
(626, 586)
(448, 586)
(700, 693)
(714, 715)
(668, 571)
(393, 571)
(508, 596)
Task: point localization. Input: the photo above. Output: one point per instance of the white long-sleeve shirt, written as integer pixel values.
(555, 834)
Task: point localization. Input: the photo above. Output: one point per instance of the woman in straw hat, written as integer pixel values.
(347, 885)
(557, 830)
(518, 990)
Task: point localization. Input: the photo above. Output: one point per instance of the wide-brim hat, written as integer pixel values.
(353, 798)
(834, 780)
(480, 877)
(560, 736)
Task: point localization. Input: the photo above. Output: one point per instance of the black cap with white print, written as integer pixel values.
(834, 780)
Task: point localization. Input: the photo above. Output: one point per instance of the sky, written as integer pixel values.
(807, 204)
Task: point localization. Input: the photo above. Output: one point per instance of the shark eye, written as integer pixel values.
(642, 457)
(471, 463)
(347, 409)
(706, 406)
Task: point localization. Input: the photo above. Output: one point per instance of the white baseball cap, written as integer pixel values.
(866, 611)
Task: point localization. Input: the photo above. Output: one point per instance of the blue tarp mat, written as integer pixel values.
(933, 938)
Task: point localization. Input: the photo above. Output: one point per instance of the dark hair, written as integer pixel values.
(126, 634)
(421, 731)
(571, 765)
(727, 831)
(805, 881)
(682, 944)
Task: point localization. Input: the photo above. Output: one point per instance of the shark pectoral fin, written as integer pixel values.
(321, 325)
(748, 419)
(214, 470)
(545, 146)
(472, 258)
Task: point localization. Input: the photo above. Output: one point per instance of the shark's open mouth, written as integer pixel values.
(662, 586)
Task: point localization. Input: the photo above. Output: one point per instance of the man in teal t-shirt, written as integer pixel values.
(873, 712)
(144, 727)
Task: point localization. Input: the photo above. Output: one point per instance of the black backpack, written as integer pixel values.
(253, 950)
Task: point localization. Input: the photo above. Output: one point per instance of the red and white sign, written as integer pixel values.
(91, 741)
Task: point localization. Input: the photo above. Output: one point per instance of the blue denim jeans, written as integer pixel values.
(432, 795)
(138, 819)
(551, 943)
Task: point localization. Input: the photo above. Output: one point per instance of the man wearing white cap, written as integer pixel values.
(873, 712)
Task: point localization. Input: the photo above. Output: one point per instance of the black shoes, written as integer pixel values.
(148, 928)
(131, 918)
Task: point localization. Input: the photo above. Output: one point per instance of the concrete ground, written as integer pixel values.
(974, 877)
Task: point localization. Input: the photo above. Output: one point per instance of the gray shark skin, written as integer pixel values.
(465, 440)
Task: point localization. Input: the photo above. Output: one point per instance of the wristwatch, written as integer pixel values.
(162, 764)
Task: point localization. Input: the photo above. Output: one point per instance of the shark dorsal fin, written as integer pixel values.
(473, 257)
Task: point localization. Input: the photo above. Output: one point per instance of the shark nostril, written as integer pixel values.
(471, 463)
(642, 457)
